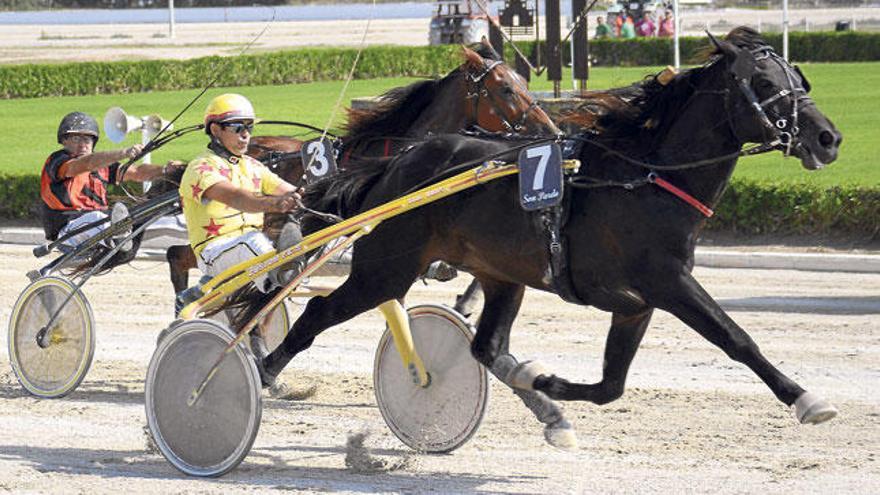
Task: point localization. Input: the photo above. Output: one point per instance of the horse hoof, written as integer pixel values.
(812, 409)
(561, 435)
(523, 376)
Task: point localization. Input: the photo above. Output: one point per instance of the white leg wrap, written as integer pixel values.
(812, 409)
(523, 376)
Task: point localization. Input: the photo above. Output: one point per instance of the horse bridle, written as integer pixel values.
(783, 129)
(476, 90)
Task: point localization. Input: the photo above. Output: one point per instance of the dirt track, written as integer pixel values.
(690, 421)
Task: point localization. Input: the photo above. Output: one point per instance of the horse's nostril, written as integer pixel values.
(826, 139)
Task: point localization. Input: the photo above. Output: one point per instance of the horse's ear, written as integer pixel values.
(491, 49)
(742, 61)
(714, 40)
(721, 47)
(472, 58)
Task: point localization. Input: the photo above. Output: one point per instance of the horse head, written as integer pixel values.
(773, 104)
(501, 102)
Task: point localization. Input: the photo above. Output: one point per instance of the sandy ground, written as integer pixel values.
(65, 43)
(691, 420)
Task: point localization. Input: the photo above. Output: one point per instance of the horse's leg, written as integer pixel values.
(466, 302)
(180, 260)
(366, 288)
(621, 345)
(491, 348)
(686, 299)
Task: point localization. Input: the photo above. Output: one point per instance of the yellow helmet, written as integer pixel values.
(229, 106)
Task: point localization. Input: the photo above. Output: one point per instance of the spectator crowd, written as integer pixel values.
(620, 24)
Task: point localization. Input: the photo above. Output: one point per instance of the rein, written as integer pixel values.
(150, 145)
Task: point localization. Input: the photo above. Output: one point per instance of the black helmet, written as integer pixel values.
(77, 122)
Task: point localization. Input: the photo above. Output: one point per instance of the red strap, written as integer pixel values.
(687, 198)
(387, 147)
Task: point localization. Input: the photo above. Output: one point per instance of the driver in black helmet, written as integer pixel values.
(74, 179)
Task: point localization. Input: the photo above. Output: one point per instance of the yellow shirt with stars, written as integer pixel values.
(209, 220)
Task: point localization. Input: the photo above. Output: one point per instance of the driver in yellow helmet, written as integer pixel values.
(224, 194)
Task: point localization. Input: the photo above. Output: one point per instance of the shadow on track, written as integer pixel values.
(864, 305)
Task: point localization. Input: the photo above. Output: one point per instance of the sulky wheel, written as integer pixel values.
(273, 328)
(51, 361)
(212, 436)
(442, 416)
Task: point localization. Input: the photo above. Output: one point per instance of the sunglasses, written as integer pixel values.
(79, 138)
(238, 127)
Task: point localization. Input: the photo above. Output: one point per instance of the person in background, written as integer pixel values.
(646, 27)
(627, 29)
(667, 26)
(74, 180)
(603, 30)
(619, 19)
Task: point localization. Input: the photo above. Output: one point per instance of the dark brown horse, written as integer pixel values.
(483, 92)
(630, 241)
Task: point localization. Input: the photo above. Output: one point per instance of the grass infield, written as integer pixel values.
(848, 93)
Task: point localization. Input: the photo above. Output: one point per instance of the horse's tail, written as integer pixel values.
(244, 304)
(344, 193)
(92, 258)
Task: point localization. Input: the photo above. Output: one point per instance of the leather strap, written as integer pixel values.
(687, 198)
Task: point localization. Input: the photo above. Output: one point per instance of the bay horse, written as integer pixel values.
(483, 92)
(630, 242)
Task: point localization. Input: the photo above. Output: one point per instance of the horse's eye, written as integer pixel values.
(508, 89)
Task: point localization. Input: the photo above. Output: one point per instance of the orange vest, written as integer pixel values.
(67, 198)
(83, 192)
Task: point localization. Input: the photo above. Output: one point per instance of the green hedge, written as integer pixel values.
(321, 64)
(747, 207)
(763, 208)
(19, 196)
(846, 46)
(306, 65)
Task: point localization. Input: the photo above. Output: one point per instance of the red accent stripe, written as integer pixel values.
(387, 147)
(687, 198)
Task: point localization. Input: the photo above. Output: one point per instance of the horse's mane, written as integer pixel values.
(343, 192)
(651, 111)
(395, 111)
(586, 112)
(744, 37)
(637, 116)
(398, 108)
